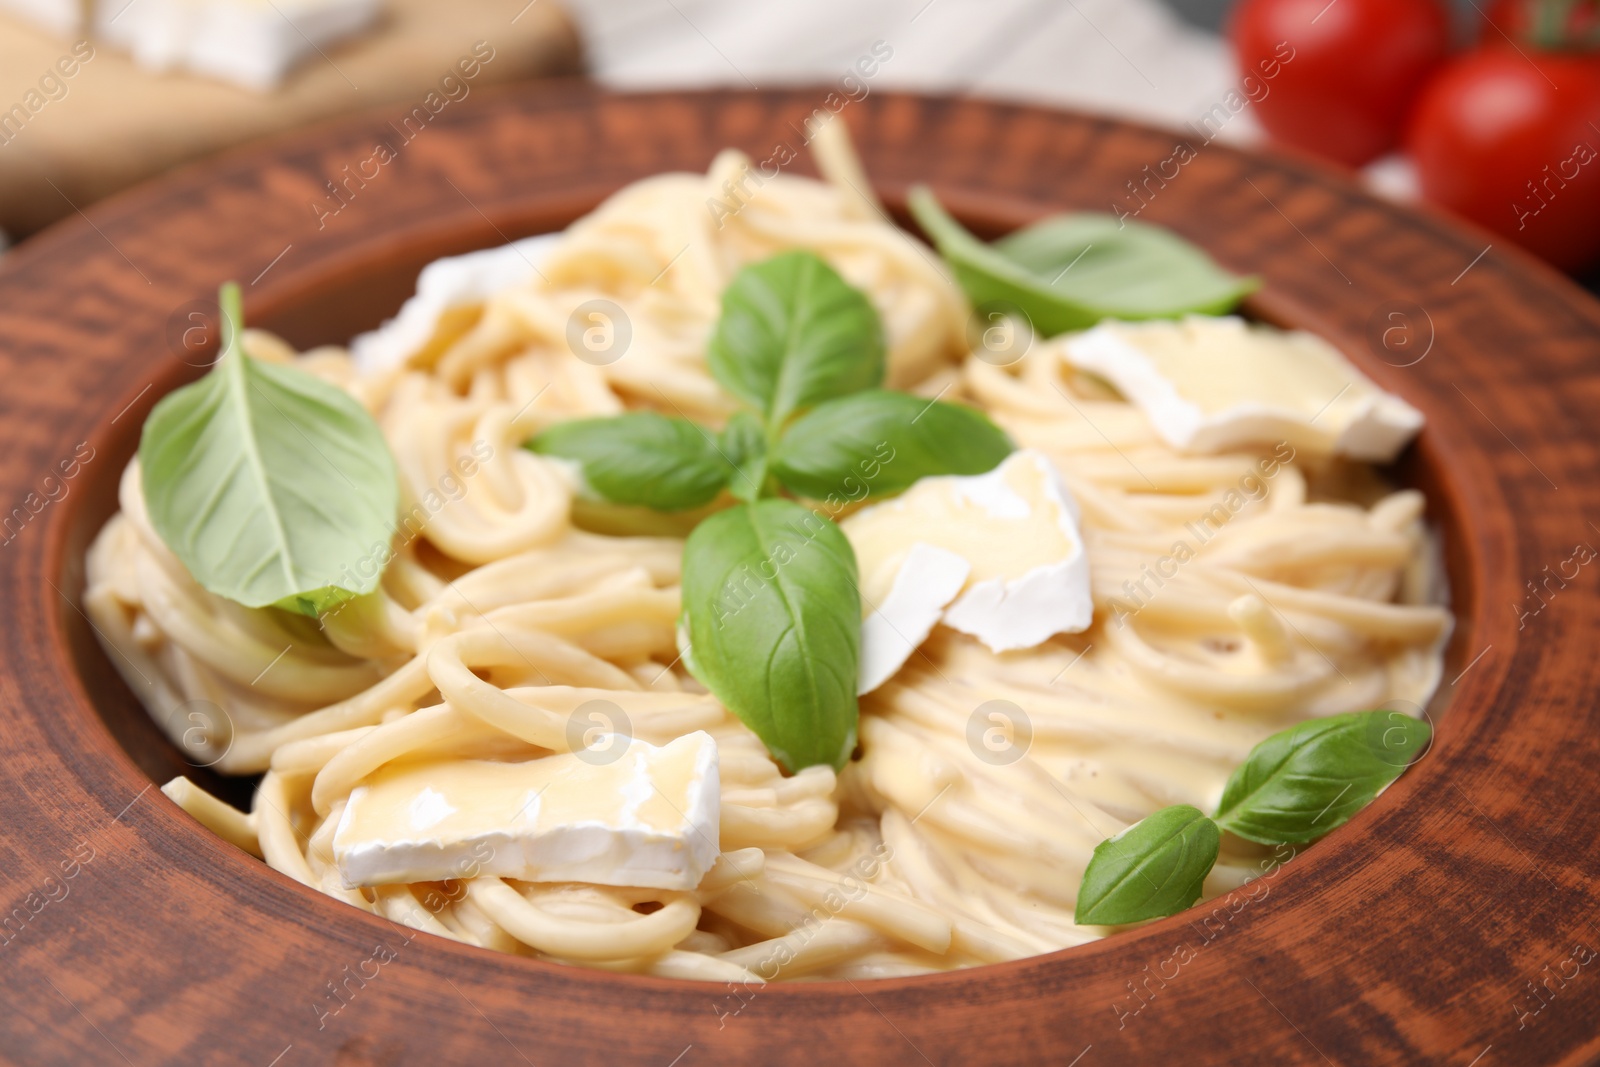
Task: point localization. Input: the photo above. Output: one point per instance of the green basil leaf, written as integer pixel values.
(316, 603)
(1153, 868)
(773, 619)
(1130, 270)
(1302, 782)
(793, 333)
(744, 442)
(1071, 271)
(655, 461)
(269, 484)
(879, 442)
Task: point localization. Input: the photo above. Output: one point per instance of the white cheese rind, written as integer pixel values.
(926, 582)
(991, 521)
(1354, 418)
(649, 818)
(1028, 611)
(455, 281)
(250, 43)
(63, 18)
(1021, 612)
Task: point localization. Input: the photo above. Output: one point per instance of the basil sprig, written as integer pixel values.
(744, 446)
(1295, 786)
(818, 425)
(771, 618)
(270, 485)
(1069, 272)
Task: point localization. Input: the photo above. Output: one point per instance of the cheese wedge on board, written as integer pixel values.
(251, 43)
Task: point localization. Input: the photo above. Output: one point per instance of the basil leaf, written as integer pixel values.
(269, 484)
(1071, 271)
(744, 443)
(655, 461)
(1153, 868)
(318, 602)
(879, 442)
(773, 618)
(1302, 782)
(1127, 269)
(793, 333)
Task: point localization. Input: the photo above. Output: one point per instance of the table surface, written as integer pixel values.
(119, 123)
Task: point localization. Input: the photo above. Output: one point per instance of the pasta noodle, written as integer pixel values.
(1308, 589)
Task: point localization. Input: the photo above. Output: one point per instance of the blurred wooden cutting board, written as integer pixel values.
(119, 123)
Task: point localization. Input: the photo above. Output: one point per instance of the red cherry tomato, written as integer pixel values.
(1511, 140)
(1349, 69)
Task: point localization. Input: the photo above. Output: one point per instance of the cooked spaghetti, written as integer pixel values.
(1234, 595)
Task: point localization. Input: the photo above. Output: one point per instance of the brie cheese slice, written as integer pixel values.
(446, 289)
(1026, 574)
(251, 43)
(1213, 384)
(923, 580)
(642, 816)
(62, 18)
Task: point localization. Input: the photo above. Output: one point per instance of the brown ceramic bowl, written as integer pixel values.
(1449, 923)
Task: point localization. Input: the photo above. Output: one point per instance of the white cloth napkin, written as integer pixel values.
(1131, 58)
